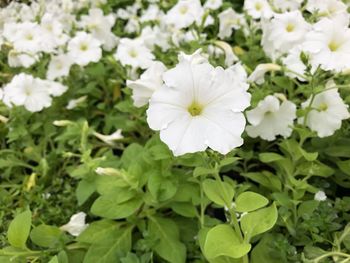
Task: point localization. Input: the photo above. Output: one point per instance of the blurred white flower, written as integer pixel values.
(185, 13)
(320, 196)
(76, 224)
(150, 81)
(293, 62)
(328, 8)
(287, 5)
(213, 4)
(198, 107)
(271, 118)
(18, 59)
(59, 66)
(328, 45)
(258, 8)
(75, 102)
(133, 52)
(84, 48)
(24, 90)
(284, 32)
(327, 113)
(229, 19)
(110, 139)
(259, 72)
(100, 27)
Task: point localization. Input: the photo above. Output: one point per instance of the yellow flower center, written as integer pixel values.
(323, 107)
(290, 28)
(333, 46)
(195, 109)
(133, 53)
(258, 6)
(183, 10)
(83, 47)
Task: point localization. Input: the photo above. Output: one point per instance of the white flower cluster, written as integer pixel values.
(192, 104)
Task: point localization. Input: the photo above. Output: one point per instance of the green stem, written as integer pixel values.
(330, 254)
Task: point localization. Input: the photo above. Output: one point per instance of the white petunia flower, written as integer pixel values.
(84, 48)
(258, 8)
(76, 224)
(18, 59)
(328, 8)
(328, 112)
(133, 52)
(270, 119)
(328, 45)
(259, 72)
(199, 106)
(287, 5)
(284, 32)
(294, 63)
(185, 13)
(100, 27)
(150, 81)
(24, 90)
(320, 196)
(59, 66)
(213, 4)
(229, 19)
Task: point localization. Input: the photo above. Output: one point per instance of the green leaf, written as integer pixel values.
(309, 156)
(19, 229)
(169, 246)
(250, 201)
(344, 166)
(266, 179)
(161, 188)
(264, 252)
(199, 171)
(184, 209)
(54, 260)
(259, 221)
(110, 248)
(96, 230)
(270, 157)
(220, 193)
(315, 169)
(46, 236)
(222, 240)
(117, 205)
(84, 190)
(307, 207)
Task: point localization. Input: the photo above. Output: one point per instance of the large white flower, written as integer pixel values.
(84, 48)
(133, 52)
(24, 90)
(199, 106)
(328, 111)
(150, 81)
(329, 45)
(284, 32)
(270, 119)
(185, 13)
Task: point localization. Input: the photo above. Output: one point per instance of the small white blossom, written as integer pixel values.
(150, 81)
(320, 196)
(327, 113)
(76, 224)
(270, 119)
